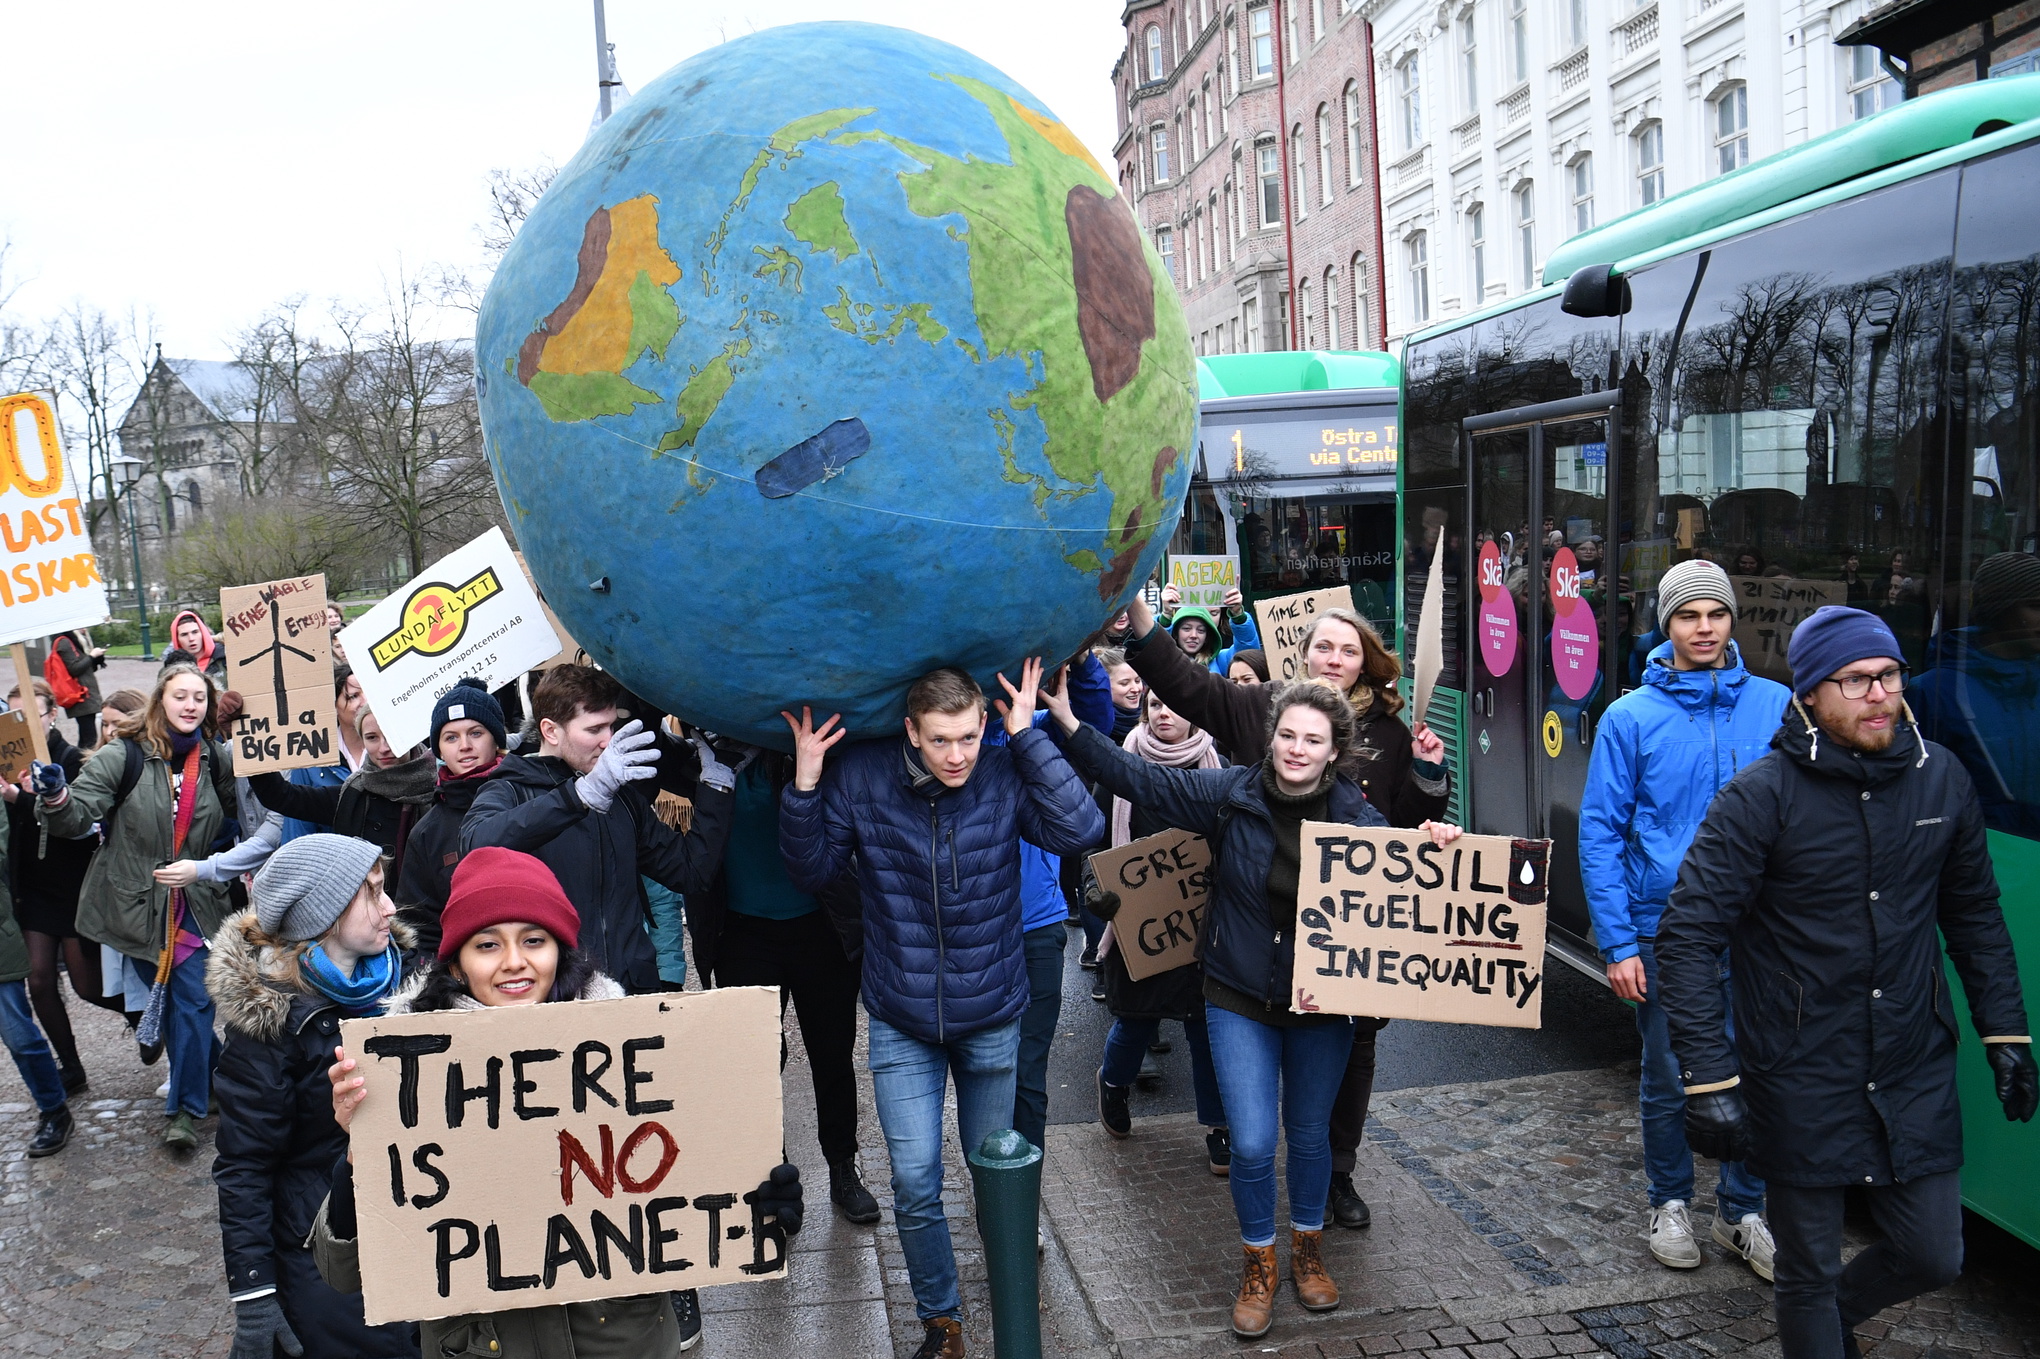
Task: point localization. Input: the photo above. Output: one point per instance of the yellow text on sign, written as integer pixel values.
(14, 474)
(435, 616)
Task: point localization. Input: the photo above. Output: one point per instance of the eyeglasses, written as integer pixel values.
(1858, 686)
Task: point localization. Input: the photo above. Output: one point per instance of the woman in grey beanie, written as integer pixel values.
(320, 944)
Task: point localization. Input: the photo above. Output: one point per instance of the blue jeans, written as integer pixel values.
(31, 1051)
(1129, 1040)
(1037, 1030)
(1667, 1160)
(1259, 1065)
(188, 1037)
(907, 1080)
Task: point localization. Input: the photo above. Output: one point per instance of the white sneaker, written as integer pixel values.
(163, 1090)
(1671, 1236)
(1749, 1238)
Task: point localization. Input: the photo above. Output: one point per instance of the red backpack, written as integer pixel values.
(65, 690)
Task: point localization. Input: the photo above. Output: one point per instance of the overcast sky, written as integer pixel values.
(206, 161)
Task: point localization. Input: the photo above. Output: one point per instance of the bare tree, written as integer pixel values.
(23, 344)
(98, 364)
(512, 195)
(269, 538)
(274, 354)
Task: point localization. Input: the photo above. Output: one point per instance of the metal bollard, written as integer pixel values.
(1006, 1172)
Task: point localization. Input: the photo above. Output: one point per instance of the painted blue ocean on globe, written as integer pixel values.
(838, 358)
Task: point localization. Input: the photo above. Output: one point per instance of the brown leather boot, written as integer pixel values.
(1254, 1312)
(1314, 1288)
(944, 1339)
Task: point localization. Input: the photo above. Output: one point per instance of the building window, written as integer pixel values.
(1289, 33)
(1731, 129)
(1650, 163)
(1526, 235)
(1158, 138)
(1355, 153)
(1331, 308)
(1205, 104)
(1583, 194)
(1211, 216)
(1165, 246)
(1356, 274)
(1420, 279)
(1469, 64)
(1519, 41)
(1871, 90)
(1409, 102)
(1154, 53)
(1317, 19)
(1270, 168)
(1306, 308)
(1324, 152)
(1575, 24)
(1476, 241)
(1300, 199)
(1261, 40)
(1190, 144)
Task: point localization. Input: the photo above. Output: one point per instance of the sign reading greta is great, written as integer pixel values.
(543, 1154)
(1391, 925)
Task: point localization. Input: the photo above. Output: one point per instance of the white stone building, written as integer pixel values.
(1509, 125)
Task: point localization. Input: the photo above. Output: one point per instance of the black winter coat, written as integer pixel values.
(1240, 950)
(48, 871)
(377, 805)
(1826, 873)
(1175, 994)
(430, 856)
(277, 1140)
(530, 805)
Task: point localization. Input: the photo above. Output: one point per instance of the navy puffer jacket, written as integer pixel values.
(940, 872)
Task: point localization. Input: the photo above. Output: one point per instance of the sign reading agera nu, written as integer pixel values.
(1390, 925)
(544, 1154)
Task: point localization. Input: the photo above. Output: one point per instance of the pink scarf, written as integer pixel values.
(1197, 751)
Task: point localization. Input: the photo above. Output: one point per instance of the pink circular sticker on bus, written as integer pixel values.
(1496, 623)
(1575, 640)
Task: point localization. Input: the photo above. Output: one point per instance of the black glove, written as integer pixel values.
(2018, 1080)
(1102, 903)
(1718, 1124)
(780, 1196)
(260, 1330)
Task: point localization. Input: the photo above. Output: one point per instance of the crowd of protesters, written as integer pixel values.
(542, 845)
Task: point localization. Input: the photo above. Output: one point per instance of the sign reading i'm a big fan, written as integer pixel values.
(1390, 925)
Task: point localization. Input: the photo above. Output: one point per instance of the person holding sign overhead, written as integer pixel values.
(1275, 1067)
(510, 937)
(1401, 772)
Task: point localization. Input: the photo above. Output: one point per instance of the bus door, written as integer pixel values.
(1544, 632)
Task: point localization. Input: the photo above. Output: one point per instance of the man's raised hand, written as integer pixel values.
(1057, 701)
(1019, 713)
(810, 745)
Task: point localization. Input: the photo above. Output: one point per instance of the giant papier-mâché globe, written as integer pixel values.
(832, 358)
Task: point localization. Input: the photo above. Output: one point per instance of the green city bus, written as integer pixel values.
(1821, 371)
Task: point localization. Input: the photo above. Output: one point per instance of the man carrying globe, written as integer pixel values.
(936, 821)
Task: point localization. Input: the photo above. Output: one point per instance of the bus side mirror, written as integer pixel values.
(1595, 290)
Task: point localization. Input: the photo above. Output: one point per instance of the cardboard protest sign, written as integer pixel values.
(1163, 883)
(1284, 622)
(280, 660)
(472, 612)
(1429, 654)
(1204, 580)
(1767, 608)
(17, 744)
(545, 1154)
(1390, 925)
(49, 577)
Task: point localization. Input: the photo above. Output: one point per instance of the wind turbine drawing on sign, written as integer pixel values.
(275, 649)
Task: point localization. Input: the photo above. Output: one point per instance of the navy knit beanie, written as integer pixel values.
(468, 700)
(1832, 637)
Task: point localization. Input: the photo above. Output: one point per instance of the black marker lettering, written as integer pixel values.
(520, 1087)
(633, 1078)
(1480, 886)
(714, 1205)
(499, 1282)
(1427, 860)
(606, 1234)
(458, 1095)
(422, 1158)
(407, 1048)
(586, 1080)
(444, 1256)
(564, 1246)
(661, 1234)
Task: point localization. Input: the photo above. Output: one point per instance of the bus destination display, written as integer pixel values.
(1254, 446)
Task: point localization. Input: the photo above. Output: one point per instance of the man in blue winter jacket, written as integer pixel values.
(936, 822)
(1661, 753)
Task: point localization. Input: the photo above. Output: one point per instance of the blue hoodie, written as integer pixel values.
(1660, 755)
(1041, 897)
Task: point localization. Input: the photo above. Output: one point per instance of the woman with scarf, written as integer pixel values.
(1139, 1007)
(468, 740)
(509, 939)
(190, 635)
(320, 945)
(181, 794)
(380, 802)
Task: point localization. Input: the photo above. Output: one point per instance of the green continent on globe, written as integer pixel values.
(816, 220)
(618, 309)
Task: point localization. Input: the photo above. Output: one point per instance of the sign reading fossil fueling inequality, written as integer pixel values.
(471, 613)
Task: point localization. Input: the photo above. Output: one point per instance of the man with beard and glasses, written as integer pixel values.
(1831, 870)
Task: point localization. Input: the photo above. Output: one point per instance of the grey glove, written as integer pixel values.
(627, 758)
(714, 773)
(260, 1330)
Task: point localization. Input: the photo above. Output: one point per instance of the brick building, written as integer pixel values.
(1246, 147)
(1934, 44)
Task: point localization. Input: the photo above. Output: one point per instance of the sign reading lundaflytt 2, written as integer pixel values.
(471, 613)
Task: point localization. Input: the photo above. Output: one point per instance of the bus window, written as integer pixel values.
(1317, 542)
(1979, 690)
(1782, 418)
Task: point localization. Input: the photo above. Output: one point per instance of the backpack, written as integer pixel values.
(134, 758)
(65, 691)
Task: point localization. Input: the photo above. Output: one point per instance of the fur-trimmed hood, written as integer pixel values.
(255, 985)
(598, 987)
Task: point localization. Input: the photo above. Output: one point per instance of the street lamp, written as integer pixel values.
(126, 473)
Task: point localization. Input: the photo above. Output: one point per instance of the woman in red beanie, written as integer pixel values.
(508, 938)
